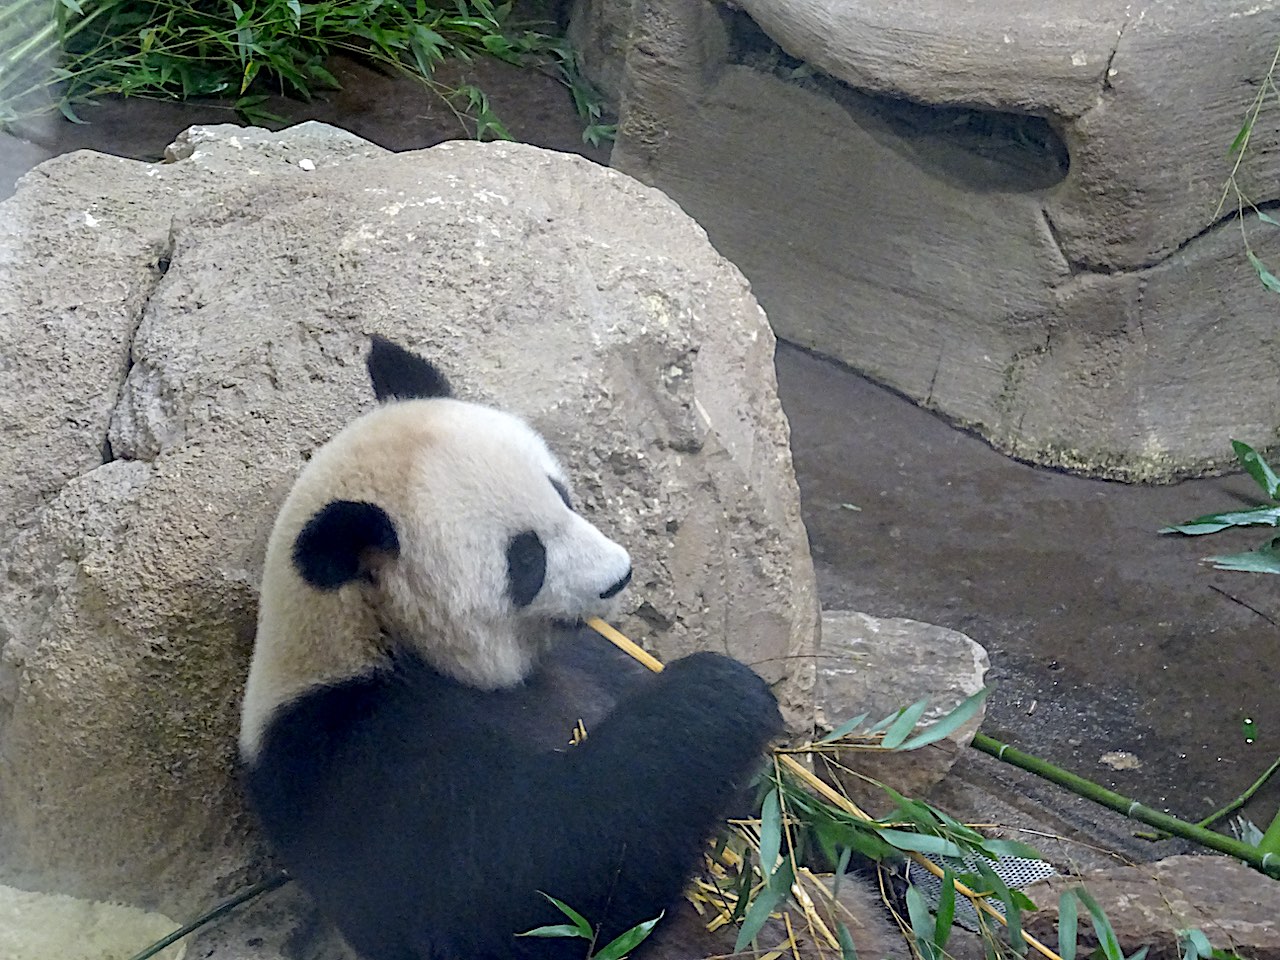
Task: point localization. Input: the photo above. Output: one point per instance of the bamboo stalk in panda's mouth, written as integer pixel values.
(625, 644)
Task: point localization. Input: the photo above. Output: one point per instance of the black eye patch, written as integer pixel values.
(526, 567)
(562, 490)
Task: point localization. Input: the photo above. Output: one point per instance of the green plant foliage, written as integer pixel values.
(1067, 925)
(945, 726)
(1194, 945)
(1266, 90)
(903, 724)
(246, 50)
(847, 951)
(776, 889)
(922, 926)
(1108, 942)
(579, 928)
(617, 949)
(898, 725)
(1264, 559)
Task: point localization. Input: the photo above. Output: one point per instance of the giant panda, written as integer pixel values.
(419, 669)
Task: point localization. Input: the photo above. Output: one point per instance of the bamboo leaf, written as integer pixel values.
(903, 724)
(1268, 516)
(1253, 463)
(579, 921)
(946, 910)
(560, 930)
(65, 109)
(920, 842)
(770, 832)
(921, 924)
(1195, 945)
(1101, 927)
(1269, 280)
(844, 729)
(1267, 219)
(756, 916)
(842, 865)
(1013, 904)
(618, 949)
(1241, 137)
(945, 726)
(847, 951)
(1265, 559)
(1067, 925)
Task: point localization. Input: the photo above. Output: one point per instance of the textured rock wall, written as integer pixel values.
(1010, 215)
(184, 335)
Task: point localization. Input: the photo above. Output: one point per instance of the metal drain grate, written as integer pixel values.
(1016, 872)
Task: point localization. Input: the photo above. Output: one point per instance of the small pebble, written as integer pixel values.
(307, 165)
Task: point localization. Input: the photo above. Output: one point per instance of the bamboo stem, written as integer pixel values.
(263, 886)
(1256, 857)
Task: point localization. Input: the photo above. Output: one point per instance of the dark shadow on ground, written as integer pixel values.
(1103, 635)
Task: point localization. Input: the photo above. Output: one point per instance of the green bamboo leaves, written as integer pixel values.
(1263, 559)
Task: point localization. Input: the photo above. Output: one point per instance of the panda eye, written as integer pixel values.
(562, 490)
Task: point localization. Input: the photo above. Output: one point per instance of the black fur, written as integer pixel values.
(398, 374)
(333, 548)
(617, 588)
(425, 816)
(526, 567)
(562, 490)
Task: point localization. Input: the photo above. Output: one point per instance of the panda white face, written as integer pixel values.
(432, 525)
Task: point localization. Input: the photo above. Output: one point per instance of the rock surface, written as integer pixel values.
(50, 926)
(190, 332)
(962, 203)
(1235, 907)
(875, 666)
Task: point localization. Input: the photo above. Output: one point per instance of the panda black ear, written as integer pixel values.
(398, 374)
(336, 545)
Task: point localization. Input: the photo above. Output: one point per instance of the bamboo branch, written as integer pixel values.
(1267, 862)
(264, 886)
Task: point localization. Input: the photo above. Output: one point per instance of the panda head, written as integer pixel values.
(430, 524)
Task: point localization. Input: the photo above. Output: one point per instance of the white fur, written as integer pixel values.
(458, 481)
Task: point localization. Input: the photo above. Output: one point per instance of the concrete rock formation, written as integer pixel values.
(877, 665)
(177, 338)
(51, 926)
(1008, 213)
(1234, 906)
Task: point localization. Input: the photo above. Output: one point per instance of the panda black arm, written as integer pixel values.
(631, 807)
(468, 825)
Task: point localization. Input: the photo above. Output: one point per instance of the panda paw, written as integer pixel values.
(727, 695)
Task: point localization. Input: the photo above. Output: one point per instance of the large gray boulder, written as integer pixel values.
(1009, 213)
(1150, 904)
(877, 665)
(180, 337)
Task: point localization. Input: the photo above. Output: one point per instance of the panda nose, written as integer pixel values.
(617, 588)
